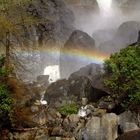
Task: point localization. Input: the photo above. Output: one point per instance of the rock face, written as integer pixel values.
(93, 72)
(55, 29)
(126, 35)
(65, 91)
(71, 58)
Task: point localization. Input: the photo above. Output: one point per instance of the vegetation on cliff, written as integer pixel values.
(122, 75)
(5, 100)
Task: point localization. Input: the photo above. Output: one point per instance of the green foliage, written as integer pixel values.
(122, 74)
(5, 100)
(68, 109)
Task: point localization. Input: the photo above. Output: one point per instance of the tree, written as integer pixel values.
(14, 19)
(122, 75)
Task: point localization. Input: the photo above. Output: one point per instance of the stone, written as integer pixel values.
(126, 35)
(34, 108)
(128, 121)
(109, 124)
(131, 135)
(78, 41)
(29, 133)
(74, 118)
(102, 128)
(84, 101)
(57, 131)
(43, 80)
(40, 118)
(94, 73)
(94, 129)
(129, 127)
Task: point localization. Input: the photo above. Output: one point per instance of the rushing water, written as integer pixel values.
(105, 6)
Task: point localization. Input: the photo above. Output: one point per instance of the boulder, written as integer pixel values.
(57, 93)
(102, 128)
(71, 54)
(129, 127)
(109, 124)
(128, 121)
(102, 36)
(132, 135)
(94, 131)
(71, 91)
(94, 73)
(126, 35)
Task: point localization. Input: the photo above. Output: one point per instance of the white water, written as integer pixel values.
(53, 72)
(105, 7)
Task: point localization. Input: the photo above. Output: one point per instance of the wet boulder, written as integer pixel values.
(72, 54)
(82, 87)
(57, 93)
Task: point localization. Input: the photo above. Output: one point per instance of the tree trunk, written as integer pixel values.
(7, 58)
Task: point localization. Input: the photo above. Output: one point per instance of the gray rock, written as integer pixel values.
(126, 35)
(104, 128)
(78, 42)
(128, 126)
(128, 121)
(131, 135)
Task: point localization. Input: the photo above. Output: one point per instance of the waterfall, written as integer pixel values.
(105, 7)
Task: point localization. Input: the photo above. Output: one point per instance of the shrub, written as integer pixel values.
(68, 109)
(122, 74)
(5, 100)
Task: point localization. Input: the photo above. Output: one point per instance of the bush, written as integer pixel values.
(122, 75)
(68, 109)
(5, 100)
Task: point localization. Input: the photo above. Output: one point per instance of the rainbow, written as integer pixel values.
(78, 54)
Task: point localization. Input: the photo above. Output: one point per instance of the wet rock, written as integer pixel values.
(84, 89)
(94, 73)
(43, 80)
(65, 92)
(57, 94)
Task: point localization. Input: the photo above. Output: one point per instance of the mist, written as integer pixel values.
(111, 15)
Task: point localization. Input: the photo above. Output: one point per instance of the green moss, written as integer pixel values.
(68, 109)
